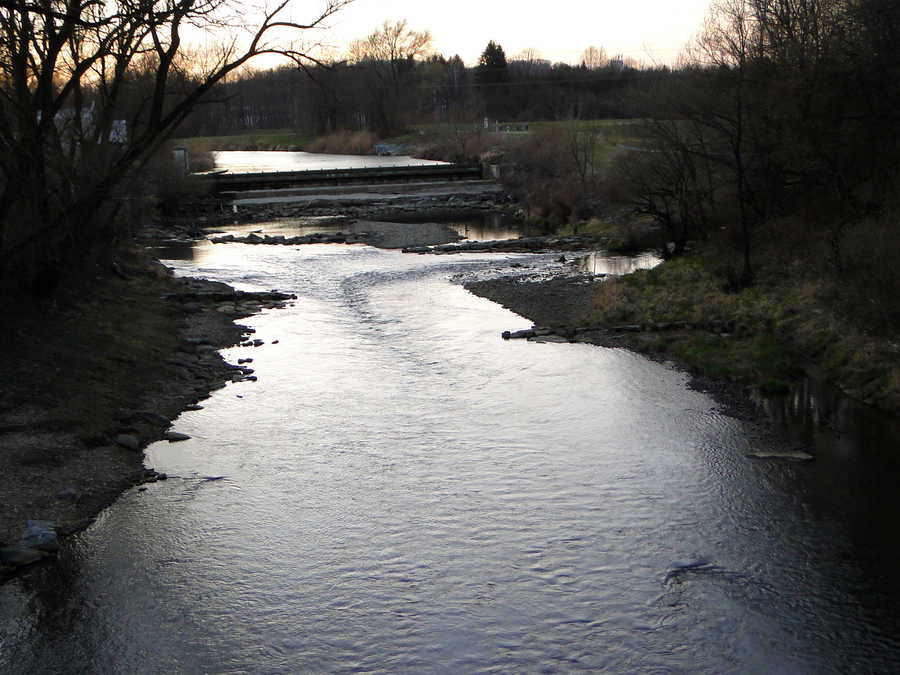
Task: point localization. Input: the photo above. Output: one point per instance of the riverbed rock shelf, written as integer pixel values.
(520, 245)
(589, 332)
(281, 240)
(371, 206)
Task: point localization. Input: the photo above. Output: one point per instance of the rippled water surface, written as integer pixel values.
(403, 491)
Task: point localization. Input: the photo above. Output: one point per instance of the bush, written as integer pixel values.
(344, 143)
(171, 186)
(459, 147)
(869, 290)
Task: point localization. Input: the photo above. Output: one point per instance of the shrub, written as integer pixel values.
(344, 143)
(869, 290)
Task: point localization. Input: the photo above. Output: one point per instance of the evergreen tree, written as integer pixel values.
(492, 78)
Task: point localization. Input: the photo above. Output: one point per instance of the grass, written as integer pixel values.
(263, 139)
(767, 335)
(610, 136)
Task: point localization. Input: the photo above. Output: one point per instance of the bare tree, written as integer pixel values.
(583, 139)
(389, 54)
(91, 89)
(594, 58)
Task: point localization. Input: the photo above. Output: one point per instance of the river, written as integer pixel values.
(238, 161)
(403, 491)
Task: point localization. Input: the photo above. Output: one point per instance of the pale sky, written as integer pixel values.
(652, 31)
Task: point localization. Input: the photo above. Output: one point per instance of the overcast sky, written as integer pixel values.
(647, 30)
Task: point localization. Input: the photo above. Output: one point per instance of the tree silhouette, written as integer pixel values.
(91, 89)
(492, 76)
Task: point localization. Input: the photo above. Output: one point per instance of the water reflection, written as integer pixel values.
(478, 225)
(600, 263)
(181, 251)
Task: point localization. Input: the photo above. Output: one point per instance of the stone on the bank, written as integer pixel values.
(128, 441)
(175, 436)
(39, 535)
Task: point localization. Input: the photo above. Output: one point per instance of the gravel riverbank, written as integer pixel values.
(560, 304)
(96, 374)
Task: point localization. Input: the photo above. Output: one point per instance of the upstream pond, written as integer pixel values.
(403, 491)
(257, 161)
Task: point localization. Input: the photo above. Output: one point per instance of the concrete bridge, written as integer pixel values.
(240, 182)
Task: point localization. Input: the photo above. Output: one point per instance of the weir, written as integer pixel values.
(233, 182)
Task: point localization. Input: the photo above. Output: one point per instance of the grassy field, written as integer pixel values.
(264, 139)
(611, 135)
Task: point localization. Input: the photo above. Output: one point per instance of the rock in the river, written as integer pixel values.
(518, 335)
(175, 436)
(128, 441)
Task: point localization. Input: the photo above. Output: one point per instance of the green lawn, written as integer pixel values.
(263, 139)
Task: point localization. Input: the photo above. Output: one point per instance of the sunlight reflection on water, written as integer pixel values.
(402, 490)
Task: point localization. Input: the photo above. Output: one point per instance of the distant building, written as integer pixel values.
(65, 121)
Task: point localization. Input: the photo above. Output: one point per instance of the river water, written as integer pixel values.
(403, 491)
(239, 161)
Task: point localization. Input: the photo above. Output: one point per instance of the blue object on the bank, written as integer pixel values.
(39, 534)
